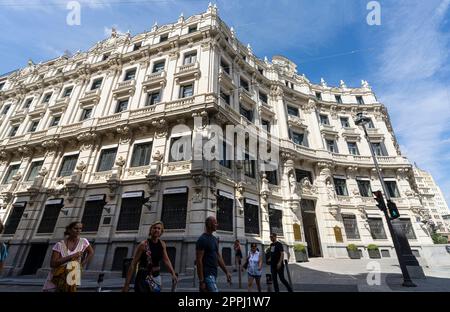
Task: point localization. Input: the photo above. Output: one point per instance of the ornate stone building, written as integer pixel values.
(95, 137)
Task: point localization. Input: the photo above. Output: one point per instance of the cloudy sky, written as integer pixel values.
(405, 59)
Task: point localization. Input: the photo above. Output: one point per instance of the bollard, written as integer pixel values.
(269, 282)
(100, 282)
(240, 274)
(288, 273)
(195, 273)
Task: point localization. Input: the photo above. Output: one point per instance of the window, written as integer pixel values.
(154, 97)
(331, 146)
(187, 90)
(13, 131)
(34, 125)
(338, 99)
(68, 165)
(350, 226)
(137, 46)
(226, 255)
(14, 218)
(341, 187)
(276, 221)
(67, 91)
(405, 226)
(379, 149)
(293, 111)
(122, 105)
(301, 174)
(247, 113)
(370, 124)
(130, 214)
(249, 166)
(324, 120)
(27, 103)
(376, 228)
(12, 170)
(251, 218)
(86, 114)
(55, 121)
(266, 125)
(263, 97)
(319, 96)
(141, 154)
(353, 148)
(344, 122)
(107, 158)
(225, 161)
(159, 66)
(225, 66)
(130, 74)
(244, 84)
(106, 56)
(2, 84)
(49, 218)
(6, 109)
(92, 215)
(47, 97)
(225, 97)
(192, 28)
(364, 188)
(120, 253)
(272, 176)
(225, 213)
(163, 37)
(96, 84)
(392, 188)
(298, 138)
(34, 170)
(180, 148)
(190, 58)
(174, 210)
(360, 100)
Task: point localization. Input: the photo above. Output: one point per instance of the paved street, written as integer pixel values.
(338, 275)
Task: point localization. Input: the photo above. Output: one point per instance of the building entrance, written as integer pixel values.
(308, 208)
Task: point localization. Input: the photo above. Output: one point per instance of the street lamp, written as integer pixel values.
(362, 120)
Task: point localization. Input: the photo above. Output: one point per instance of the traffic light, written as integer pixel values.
(393, 210)
(380, 200)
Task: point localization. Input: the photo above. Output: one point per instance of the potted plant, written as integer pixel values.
(374, 252)
(353, 252)
(300, 253)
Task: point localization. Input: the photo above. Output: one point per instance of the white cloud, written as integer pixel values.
(410, 70)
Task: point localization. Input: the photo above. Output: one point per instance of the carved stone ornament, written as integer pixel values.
(158, 156)
(307, 188)
(43, 172)
(81, 166)
(240, 190)
(120, 161)
(162, 128)
(124, 134)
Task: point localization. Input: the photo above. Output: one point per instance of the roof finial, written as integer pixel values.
(249, 48)
(113, 32)
(30, 62)
(155, 26)
(181, 18)
(323, 83)
(365, 84)
(342, 84)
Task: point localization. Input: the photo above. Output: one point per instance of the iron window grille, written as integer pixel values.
(174, 210)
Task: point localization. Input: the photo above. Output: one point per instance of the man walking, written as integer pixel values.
(208, 258)
(276, 263)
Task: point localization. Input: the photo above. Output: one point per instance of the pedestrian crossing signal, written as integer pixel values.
(393, 210)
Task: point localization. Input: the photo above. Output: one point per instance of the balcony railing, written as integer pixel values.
(125, 88)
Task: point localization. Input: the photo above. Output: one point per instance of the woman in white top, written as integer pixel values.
(254, 269)
(69, 256)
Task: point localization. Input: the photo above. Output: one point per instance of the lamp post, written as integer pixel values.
(362, 120)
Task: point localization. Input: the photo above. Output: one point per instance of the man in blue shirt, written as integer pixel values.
(208, 258)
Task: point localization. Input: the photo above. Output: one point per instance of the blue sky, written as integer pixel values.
(405, 59)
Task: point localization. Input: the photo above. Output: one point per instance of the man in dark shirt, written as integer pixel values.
(276, 263)
(208, 258)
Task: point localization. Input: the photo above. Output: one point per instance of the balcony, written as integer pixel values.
(105, 122)
(73, 128)
(295, 121)
(184, 102)
(124, 88)
(60, 105)
(154, 80)
(137, 172)
(101, 177)
(188, 71)
(246, 97)
(226, 79)
(178, 167)
(328, 130)
(267, 110)
(90, 97)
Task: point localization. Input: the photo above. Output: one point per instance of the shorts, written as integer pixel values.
(254, 276)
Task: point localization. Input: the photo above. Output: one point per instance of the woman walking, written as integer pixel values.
(148, 256)
(254, 269)
(3, 250)
(237, 254)
(69, 256)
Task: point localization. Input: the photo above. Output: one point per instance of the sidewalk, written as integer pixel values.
(322, 275)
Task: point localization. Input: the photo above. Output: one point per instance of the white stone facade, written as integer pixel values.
(432, 199)
(93, 120)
